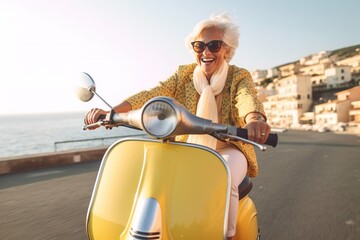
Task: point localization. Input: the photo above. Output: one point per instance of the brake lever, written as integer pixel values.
(227, 137)
(97, 124)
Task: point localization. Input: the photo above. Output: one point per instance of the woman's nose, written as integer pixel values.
(206, 51)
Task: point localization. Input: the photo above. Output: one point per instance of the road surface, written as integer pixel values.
(308, 188)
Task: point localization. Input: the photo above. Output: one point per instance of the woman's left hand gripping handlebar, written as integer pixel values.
(258, 129)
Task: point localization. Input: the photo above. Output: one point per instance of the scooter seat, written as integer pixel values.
(245, 187)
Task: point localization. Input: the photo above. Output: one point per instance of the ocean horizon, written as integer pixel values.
(24, 134)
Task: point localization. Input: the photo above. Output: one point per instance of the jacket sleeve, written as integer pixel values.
(246, 95)
(245, 101)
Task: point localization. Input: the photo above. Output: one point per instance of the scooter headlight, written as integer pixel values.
(159, 119)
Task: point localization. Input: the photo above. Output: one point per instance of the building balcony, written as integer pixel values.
(354, 112)
(325, 111)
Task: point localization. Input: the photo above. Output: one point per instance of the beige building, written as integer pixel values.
(289, 69)
(264, 92)
(331, 113)
(314, 58)
(344, 109)
(318, 82)
(258, 76)
(355, 112)
(272, 73)
(337, 77)
(293, 99)
(316, 69)
(353, 62)
(352, 94)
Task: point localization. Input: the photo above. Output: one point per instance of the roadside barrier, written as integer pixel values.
(57, 158)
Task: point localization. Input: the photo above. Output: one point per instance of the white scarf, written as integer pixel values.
(207, 107)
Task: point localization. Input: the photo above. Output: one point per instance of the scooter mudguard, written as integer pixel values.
(247, 225)
(146, 189)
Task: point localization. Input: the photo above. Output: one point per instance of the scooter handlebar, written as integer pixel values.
(101, 117)
(272, 140)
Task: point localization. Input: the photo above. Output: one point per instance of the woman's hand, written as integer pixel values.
(93, 116)
(258, 129)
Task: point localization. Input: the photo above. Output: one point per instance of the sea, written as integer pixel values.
(52, 132)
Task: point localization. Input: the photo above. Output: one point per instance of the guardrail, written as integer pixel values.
(90, 142)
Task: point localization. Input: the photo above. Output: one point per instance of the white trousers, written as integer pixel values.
(238, 168)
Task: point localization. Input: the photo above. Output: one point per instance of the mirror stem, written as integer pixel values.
(94, 92)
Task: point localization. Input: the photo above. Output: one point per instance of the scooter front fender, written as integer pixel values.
(247, 225)
(147, 189)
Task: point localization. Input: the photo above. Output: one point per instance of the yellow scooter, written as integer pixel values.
(157, 188)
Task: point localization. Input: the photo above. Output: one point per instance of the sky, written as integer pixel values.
(128, 46)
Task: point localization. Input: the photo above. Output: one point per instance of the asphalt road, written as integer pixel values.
(308, 188)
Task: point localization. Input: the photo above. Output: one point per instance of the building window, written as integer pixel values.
(299, 97)
(342, 78)
(342, 70)
(308, 96)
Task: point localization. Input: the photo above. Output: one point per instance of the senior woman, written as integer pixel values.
(213, 89)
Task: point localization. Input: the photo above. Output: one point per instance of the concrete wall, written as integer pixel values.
(29, 162)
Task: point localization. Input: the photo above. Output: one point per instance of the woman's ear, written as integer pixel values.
(227, 53)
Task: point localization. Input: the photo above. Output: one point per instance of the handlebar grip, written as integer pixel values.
(272, 140)
(101, 117)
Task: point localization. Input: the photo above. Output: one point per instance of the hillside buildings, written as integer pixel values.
(321, 89)
(292, 100)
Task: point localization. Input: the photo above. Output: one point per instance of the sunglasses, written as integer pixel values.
(213, 46)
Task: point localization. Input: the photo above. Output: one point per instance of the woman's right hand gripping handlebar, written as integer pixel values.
(93, 116)
(96, 114)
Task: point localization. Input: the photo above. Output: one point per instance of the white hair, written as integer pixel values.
(222, 21)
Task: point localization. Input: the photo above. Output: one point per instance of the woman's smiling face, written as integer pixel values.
(210, 62)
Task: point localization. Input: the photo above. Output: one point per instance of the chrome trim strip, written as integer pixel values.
(147, 221)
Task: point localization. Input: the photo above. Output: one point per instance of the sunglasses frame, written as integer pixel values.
(206, 45)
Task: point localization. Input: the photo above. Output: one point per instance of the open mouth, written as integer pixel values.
(207, 60)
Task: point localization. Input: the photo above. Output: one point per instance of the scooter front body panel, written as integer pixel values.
(147, 189)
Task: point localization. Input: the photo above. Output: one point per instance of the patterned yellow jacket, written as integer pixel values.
(238, 100)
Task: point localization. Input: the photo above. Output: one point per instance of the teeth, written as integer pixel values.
(207, 60)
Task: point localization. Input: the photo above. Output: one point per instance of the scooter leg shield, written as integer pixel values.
(182, 190)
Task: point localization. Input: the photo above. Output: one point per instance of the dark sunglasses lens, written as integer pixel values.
(199, 47)
(214, 46)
